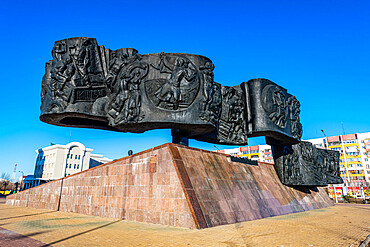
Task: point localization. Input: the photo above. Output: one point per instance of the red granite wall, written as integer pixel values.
(143, 187)
(230, 192)
(43, 197)
(174, 185)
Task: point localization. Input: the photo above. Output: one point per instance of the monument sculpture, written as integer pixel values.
(89, 86)
(86, 85)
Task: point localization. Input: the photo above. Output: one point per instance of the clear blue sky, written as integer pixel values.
(318, 50)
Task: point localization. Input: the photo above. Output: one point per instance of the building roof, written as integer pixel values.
(67, 146)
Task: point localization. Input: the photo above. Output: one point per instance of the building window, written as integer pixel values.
(70, 165)
(79, 156)
(74, 167)
(78, 166)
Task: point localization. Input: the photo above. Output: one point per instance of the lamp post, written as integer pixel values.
(21, 186)
(327, 147)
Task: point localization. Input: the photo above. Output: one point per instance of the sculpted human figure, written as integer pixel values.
(208, 85)
(87, 62)
(237, 119)
(62, 73)
(279, 116)
(117, 60)
(127, 101)
(294, 111)
(170, 91)
(133, 78)
(288, 161)
(119, 105)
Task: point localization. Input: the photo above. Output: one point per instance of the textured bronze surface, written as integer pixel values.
(86, 85)
(304, 164)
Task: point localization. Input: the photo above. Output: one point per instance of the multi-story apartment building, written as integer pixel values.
(57, 161)
(354, 160)
(262, 153)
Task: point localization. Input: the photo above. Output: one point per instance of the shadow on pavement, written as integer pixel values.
(20, 216)
(15, 239)
(15, 235)
(81, 233)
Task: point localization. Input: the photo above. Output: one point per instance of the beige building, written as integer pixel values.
(57, 161)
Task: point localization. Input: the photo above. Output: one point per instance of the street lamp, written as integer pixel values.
(20, 188)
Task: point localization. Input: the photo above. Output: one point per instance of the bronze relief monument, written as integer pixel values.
(87, 85)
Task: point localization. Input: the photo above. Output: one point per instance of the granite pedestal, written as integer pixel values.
(177, 186)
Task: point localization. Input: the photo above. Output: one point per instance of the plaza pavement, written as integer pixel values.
(341, 225)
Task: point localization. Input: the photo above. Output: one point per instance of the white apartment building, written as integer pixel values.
(57, 161)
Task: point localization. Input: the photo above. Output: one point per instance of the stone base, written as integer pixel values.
(177, 186)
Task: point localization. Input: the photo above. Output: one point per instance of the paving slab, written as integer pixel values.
(341, 225)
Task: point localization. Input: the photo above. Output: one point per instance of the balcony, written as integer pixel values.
(353, 154)
(357, 175)
(355, 168)
(351, 144)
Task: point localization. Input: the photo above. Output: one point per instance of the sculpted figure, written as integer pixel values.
(294, 111)
(279, 115)
(126, 102)
(61, 74)
(170, 91)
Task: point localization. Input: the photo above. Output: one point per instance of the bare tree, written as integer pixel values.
(5, 176)
(5, 184)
